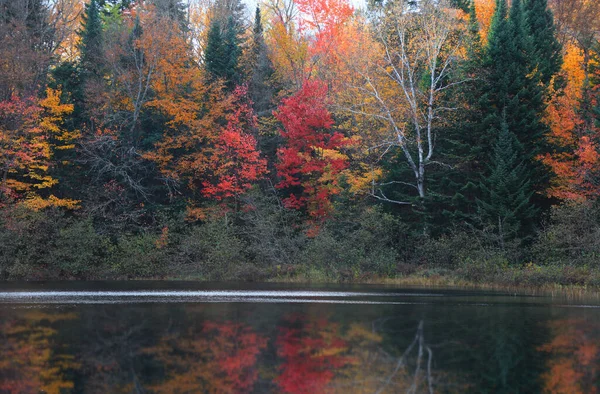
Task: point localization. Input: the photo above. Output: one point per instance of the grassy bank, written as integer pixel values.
(564, 280)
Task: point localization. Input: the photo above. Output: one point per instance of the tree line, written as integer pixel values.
(151, 118)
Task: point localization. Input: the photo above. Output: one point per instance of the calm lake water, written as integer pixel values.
(181, 337)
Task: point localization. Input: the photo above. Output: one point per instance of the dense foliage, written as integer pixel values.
(201, 139)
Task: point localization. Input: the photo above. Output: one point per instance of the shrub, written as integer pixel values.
(570, 237)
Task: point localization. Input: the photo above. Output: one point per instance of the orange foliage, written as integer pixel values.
(577, 157)
(324, 20)
(30, 131)
(313, 42)
(220, 358)
(206, 146)
(484, 10)
(575, 358)
(28, 362)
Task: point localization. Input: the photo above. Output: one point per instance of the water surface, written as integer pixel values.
(182, 337)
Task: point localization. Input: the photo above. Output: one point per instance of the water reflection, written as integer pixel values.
(306, 348)
(574, 364)
(30, 359)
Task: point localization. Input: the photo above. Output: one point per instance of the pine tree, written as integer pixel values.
(223, 53)
(514, 88)
(261, 69)
(506, 204)
(91, 39)
(214, 56)
(468, 142)
(546, 55)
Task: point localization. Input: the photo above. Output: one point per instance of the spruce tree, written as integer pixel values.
(546, 54)
(506, 204)
(223, 53)
(231, 41)
(91, 39)
(468, 141)
(261, 69)
(214, 56)
(514, 87)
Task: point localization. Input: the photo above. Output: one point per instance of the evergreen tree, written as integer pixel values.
(231, 40)
(514, 88)
(223, 53)
(261, 69)
(546, 55)
(506, 204)
(91, 39)
(468, 142)
(214, 56)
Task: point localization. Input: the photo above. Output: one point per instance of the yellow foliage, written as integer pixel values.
(37, 203)
(360, 180)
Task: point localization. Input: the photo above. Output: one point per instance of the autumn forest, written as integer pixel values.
(311, 140)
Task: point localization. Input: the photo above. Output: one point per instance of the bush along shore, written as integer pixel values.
(271, 243)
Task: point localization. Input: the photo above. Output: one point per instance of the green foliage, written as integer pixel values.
(571, 236)
(91, 38)
(211, 251)
(514, 91)
(47, 245)
(546, 55)
(356, 241)
(137, 256)
(506, 205)
(79, 251)
(223, 52)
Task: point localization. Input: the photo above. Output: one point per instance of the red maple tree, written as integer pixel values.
(237, 162)
(310, 162)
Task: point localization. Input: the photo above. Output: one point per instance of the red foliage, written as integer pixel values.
(235, 348)
(310, 162)
(325, 18)
(237, 162)
(311, 351)
(22, 143)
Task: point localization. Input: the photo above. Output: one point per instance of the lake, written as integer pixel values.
(186, 337)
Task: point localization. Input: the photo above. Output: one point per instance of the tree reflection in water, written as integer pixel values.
(30, 359)
(210, 349)
(574, 364)
(217, 358)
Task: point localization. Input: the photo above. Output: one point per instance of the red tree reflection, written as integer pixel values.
(574, 366)
(312, 351)
(220, 358)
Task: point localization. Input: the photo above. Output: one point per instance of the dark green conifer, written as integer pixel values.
(546, 54)
(468, 141)
(261, 68)
(223, 53)
(214, 56)
(506, 204)
(514, 88)
(91, 39)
